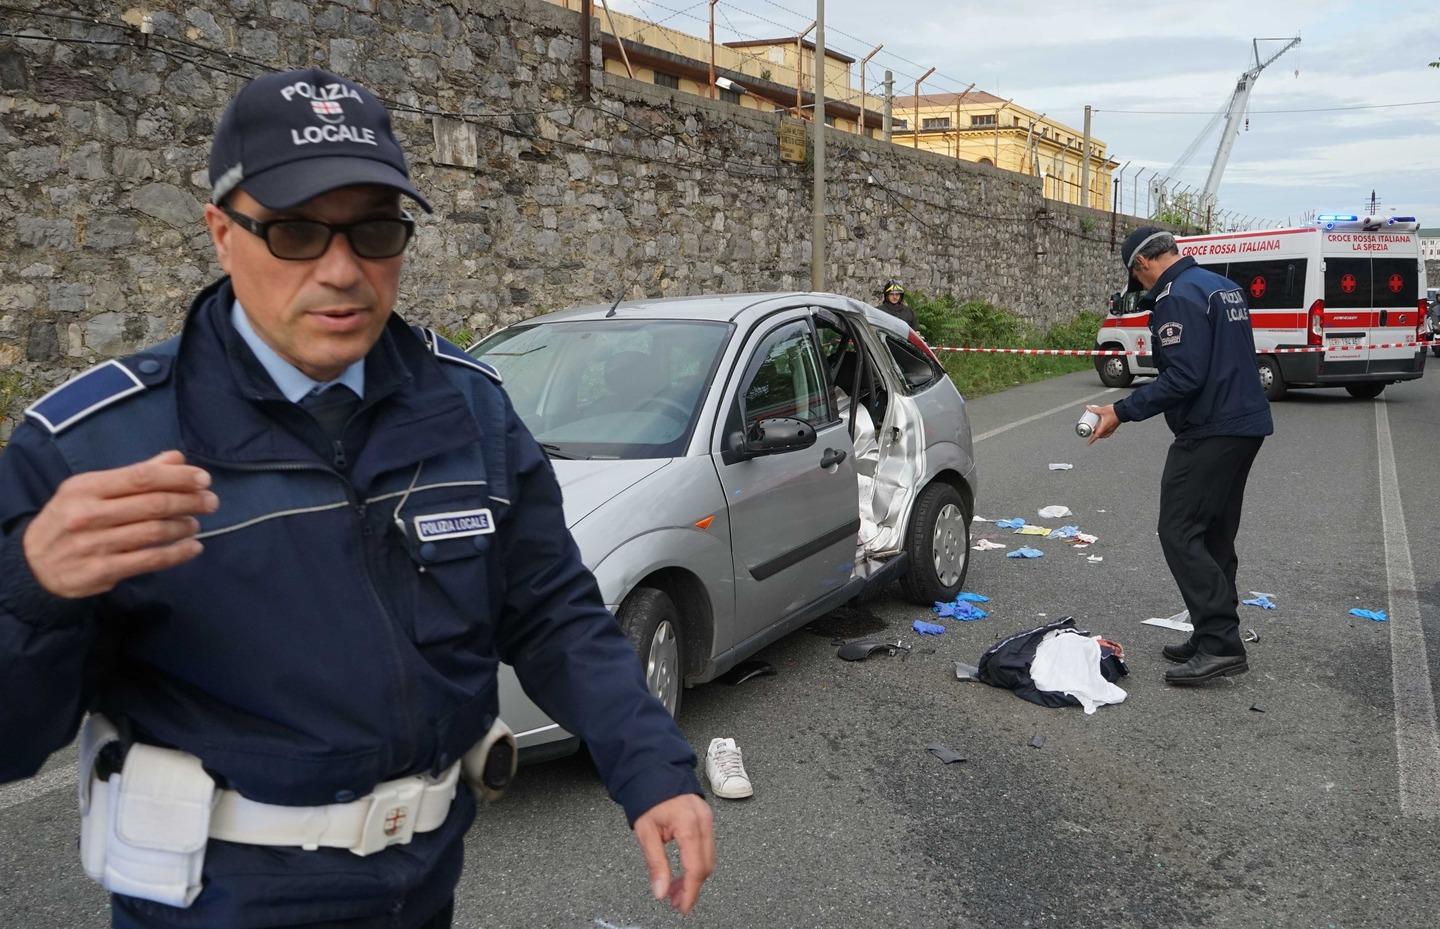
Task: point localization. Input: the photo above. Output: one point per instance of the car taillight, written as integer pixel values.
(1316, 333)
(1423, 309)
(919, 343)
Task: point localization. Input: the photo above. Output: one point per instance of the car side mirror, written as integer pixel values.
(1115, 304)
(769, 437)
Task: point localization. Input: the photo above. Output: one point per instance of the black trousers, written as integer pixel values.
(441, 920)
(1201, 495)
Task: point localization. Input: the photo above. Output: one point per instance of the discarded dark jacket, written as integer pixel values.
(1006, 664)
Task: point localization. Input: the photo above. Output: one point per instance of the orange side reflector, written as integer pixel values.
(705, 523)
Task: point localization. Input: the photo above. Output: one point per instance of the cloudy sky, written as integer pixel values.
(1174, 57)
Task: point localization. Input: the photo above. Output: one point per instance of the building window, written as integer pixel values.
(1014, 120)
(982, 119)
(829, 119)
(899, 124)
(667, 80)
(935, 122)
(987, 161)
(730, 96)
(776, 56)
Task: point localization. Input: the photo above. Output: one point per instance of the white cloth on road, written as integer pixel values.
(1069, 663)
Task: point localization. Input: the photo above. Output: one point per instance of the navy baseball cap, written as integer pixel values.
(289, 137)
(1131, 246)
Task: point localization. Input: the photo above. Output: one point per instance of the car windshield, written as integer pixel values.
(608, 388)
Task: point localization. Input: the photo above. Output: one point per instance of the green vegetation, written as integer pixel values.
(944, 321)
(16, 390)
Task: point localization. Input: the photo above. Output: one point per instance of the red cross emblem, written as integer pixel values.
(325, 107)
(1347, 283)
(1396, 283)
(1257, 288)
(394, 820)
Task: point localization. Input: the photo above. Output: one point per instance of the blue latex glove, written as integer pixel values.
(1064, 532)
(1025, 553)
(1263, 603)
(1009, 523)
(1377, 615)
(924, 628)
(973, 598)
(959, 609)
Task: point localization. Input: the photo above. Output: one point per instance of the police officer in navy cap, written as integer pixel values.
(1209, 390)
(268, 570)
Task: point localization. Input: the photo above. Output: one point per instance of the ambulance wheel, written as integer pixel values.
(1270, 378)
(939, 546)
(1112, 370)
(1366, 391)
(652, 624)
(1435, 350)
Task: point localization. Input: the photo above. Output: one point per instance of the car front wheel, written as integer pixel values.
(652, 624)
(939, 546)
(1271, 379)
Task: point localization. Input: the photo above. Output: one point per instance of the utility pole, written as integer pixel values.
(957, 118)
(1085, 159)
(873, 51)
(585, 13)
(817, 204)
(618, 41)
(712, 47)
(800, 66)
(889, 103)
(915, 129)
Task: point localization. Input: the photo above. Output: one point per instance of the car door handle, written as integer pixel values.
(832, 457)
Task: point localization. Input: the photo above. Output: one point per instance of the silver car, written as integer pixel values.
(736, 466)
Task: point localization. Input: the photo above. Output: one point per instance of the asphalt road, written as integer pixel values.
(1176, 808)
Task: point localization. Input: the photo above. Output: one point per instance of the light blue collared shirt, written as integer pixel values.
(293, 383)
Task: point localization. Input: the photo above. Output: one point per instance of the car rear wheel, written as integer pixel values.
(1113, 370)
(1435, 350)
(1366, 391)
(652, 624)
(1270, 377)
(939, 546)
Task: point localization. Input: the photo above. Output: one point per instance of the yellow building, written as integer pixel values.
(779, 74)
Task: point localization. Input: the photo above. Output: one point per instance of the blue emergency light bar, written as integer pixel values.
(1400, 219)
(1336, 218)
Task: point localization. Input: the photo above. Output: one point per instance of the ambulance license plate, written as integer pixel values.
(1346, 341)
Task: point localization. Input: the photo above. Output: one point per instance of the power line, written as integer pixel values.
(1318, 109)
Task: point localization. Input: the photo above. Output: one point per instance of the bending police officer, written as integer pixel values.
(1211, 396)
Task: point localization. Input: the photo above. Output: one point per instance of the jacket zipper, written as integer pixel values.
(407, 735)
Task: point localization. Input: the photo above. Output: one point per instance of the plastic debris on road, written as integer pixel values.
(944, 753)
(1250, 636)
(966, 672)
(980, 519)
(985, 545)
(861, 649)
(1032, 530)
(1037, 742)
(1095, 559)
(1376, 615)
(1264, 603)
(1010, 523)
(1025, 553)
(969, 597)
(959, 609)
(1065, 532)
(1060, 466)
(924, 628)
(1084, 538)
(1055, 512)
(747, 670)
(1179, 622)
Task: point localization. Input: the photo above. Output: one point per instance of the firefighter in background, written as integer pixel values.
(893, 302)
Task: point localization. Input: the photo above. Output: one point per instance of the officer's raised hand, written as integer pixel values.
(102, 527)
(687, 821)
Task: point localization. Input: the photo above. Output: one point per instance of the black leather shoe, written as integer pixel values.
(1203, 667)
(1179, 653)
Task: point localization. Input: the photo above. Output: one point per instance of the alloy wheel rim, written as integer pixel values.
(662, 666)
(948, 545)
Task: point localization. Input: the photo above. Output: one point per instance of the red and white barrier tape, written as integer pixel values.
(1111, 352)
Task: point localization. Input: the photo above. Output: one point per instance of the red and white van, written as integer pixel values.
(1349, 289)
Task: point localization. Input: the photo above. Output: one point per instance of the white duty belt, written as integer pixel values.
(390, 815)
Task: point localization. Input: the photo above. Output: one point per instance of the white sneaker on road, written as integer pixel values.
(726, 771)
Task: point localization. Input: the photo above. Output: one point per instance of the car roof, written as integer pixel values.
(736, 308)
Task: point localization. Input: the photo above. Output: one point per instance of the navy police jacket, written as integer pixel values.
(1203, 345)
(343, 625)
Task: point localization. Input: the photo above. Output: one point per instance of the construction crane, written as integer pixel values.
(1236, 115)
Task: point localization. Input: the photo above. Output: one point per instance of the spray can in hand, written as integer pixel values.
(1086, 426)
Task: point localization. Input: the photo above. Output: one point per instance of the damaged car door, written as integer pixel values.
(786, 462)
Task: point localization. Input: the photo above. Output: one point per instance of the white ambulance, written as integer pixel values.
(1337, 304)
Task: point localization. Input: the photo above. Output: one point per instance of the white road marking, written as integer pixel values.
(1030, 419)
(1417, 739)
(39, 785)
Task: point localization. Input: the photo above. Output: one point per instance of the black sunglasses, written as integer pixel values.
(306, 239)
